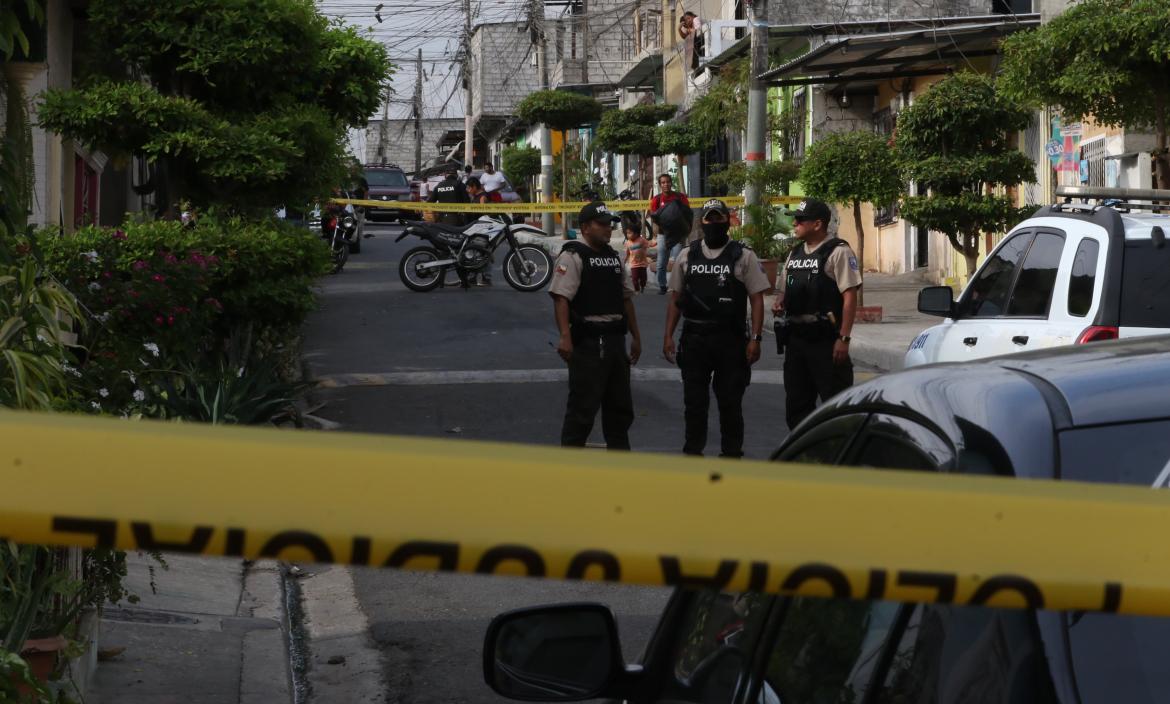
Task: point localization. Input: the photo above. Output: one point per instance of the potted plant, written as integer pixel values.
(768, 235)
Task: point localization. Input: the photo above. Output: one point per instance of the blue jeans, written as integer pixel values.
(665, 254)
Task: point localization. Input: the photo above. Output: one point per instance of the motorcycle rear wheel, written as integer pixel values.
(528, 268)
(340, 256)
(416, 280)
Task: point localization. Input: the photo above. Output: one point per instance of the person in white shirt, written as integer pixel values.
(491, 180)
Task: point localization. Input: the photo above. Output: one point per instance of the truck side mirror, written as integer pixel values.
(554, 654)
(937, 300)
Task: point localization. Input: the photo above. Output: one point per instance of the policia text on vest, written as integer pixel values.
(710, 287)
(815, 305)
(591, 291)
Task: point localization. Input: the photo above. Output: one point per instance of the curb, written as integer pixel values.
(882, 357)
(265, 671)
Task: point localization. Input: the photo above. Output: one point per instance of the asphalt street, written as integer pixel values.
(479, 364)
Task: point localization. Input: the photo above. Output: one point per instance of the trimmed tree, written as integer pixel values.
(852, 167)
(559, 110)
(680, 138)
(189, 85)
(1108, 60)
(521, 163)
(954, 142)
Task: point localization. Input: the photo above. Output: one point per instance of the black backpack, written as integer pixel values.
(674, 221)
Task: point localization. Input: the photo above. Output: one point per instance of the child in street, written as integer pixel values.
(637, 247)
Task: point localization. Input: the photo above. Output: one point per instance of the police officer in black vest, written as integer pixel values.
(591, 291)
(815, 304)
(450, 190)
(712, 282)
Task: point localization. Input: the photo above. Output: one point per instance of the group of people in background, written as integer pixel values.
(716, 288)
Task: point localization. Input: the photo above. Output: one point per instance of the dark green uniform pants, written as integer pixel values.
(809, 372)
(599, 378)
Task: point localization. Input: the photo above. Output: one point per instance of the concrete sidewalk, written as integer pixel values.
(213, 633)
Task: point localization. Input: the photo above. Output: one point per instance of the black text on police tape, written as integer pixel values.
(941, 586)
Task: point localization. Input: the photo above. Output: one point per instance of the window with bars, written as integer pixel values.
(796, 135)
(883, 123)
(1093, 153)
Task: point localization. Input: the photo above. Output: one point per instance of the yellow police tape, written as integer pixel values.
(582, 514)
(566, 207)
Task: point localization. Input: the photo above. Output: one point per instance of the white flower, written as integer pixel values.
(151, 348)
(70, 369)
(103, 392)
(90, 256)
(95, 405)
(95, 286)
(240, 373)
(139, 395)
(103, 317)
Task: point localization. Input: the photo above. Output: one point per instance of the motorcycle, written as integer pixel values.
(340, 231)
(469, 249)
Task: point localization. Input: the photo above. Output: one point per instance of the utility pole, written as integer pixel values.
(584, 23)
(418, 115)
(382, 128)
(536, 21)
(757, 126)
(468, 125)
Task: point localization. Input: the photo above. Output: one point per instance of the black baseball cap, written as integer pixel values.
(812, 209)
(596, 210)
(715, 206)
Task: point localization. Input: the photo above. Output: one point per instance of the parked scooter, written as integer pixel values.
(468, 249)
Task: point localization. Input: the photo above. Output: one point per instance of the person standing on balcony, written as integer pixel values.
(669, 243)
(690, 27)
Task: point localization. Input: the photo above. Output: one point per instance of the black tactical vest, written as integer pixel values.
(601, 291)
(808, 289)
(711, 293)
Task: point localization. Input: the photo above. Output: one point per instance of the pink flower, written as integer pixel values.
(138, 265)
(159, 278)
(119, 235)
(170, 320)
(170, 259)
(158, 320)
(107, 275)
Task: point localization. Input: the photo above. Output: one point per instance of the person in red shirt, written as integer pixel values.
(667, 251)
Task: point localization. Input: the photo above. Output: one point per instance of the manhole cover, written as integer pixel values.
(146, 616)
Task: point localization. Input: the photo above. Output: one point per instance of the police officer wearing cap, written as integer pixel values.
(592, 296)
(711, 285)
(815, 304)
(450, 190)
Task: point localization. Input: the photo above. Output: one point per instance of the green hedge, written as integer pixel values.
(159, 296)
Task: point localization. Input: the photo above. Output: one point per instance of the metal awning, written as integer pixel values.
(787, 38)
(929, 50)
(644, 71)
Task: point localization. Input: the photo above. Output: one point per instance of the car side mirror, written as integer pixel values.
(561, 653)
(937, 300)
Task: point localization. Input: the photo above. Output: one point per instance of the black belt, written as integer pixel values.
(592, 329)
(713, 327)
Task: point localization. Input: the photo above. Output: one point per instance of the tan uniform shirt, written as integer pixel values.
(567, 279)
(747, 269)
(841, 266)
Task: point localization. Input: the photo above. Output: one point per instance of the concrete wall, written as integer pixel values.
(503, 69)
(802, 12)
(400, 139)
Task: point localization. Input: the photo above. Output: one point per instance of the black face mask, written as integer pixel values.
(715, 234)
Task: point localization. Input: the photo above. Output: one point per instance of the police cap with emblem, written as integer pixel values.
(596, 211)
(715, 206)
(811, 209)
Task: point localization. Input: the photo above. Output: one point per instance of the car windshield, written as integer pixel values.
(1145, 285)
(386, 177)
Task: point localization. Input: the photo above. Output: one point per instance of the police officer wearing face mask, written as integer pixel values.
(711, 285)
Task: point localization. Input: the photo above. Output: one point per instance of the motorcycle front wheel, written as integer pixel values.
(527, 268)
(420, 279)
(340, 255)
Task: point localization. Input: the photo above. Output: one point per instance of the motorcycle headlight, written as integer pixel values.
(349, 221)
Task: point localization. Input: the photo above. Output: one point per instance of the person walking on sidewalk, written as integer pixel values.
(817, 296)
(591, 292)
(713, 281)
(669, 243)
(636, 253)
